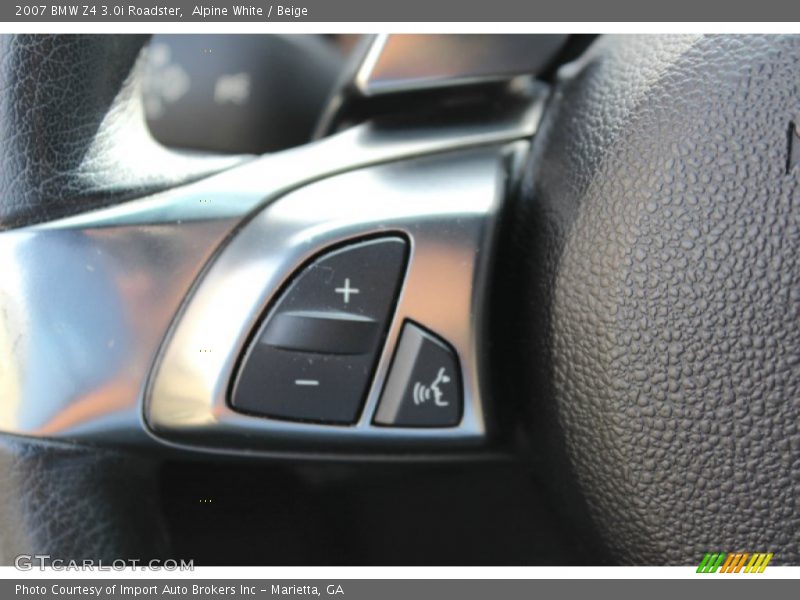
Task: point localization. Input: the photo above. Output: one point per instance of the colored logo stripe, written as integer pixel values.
(711, 562)
(758, 563)
(734, 562)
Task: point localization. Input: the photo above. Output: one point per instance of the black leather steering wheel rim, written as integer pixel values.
(653, 260)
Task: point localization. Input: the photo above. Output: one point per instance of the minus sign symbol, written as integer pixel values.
(306, 382)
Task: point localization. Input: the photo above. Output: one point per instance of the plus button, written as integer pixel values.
(346, 290)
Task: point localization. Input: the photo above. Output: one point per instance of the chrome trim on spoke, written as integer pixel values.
(86, 301)
(446, 206)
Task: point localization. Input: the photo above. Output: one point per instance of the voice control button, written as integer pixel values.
(424, 384)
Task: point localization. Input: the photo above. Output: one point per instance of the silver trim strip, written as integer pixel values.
(449, 61)
(402, 366)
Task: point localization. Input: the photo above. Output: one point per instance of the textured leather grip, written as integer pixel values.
(656, 255)
(76, 502)
(72, 131)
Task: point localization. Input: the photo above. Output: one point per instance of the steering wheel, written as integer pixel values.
(638, 328)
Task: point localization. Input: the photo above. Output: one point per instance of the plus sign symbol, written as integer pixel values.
(346, 290)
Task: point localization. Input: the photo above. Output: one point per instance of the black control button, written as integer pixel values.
(303, 386)
(315, 354)
(360, 279)
(424, 384)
